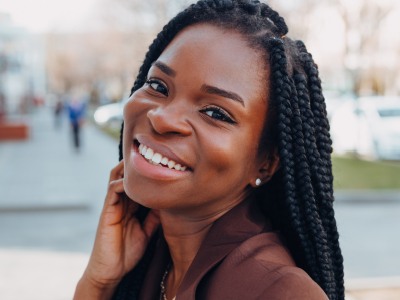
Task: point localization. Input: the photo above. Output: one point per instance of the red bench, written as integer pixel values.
(13, 131)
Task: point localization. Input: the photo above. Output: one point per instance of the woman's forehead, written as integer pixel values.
(214, 39)
(218, 56)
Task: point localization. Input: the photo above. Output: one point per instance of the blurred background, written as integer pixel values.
(66, 68)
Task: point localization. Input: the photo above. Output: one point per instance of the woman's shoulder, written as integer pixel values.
(261, 268)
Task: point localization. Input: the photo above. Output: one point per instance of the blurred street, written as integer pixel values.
(51, 197)
(51, 193)
(50, 201)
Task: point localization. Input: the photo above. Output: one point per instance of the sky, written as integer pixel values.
(48, 15)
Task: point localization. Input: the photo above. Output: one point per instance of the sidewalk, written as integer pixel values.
(45, 172)
(50, 198)
(373, 289)
(39, 275)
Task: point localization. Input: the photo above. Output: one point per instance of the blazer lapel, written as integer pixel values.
(150, 289)
(228, 232)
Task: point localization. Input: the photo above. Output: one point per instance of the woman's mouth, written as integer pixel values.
(159, 160)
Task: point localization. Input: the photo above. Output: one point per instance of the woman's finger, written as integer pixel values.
(130, 207)
(117, 186)
(118, 171)
(115, 189)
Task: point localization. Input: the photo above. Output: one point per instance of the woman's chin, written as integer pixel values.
(151, 202)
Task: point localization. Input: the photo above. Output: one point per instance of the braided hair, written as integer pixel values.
(299, 197)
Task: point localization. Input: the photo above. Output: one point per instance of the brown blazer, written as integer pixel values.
(240, 258)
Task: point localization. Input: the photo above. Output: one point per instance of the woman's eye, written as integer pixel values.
(157, 86)
(218, 114)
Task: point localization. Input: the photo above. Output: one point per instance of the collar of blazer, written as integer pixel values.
(227, 233)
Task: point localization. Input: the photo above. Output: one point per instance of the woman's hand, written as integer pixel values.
(120, 241)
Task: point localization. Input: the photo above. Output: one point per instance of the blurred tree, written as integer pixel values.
(346, 32)
(297, 14)
(150, 14)
(361, 24)
(104, 62)
(362, 21)
(94, 61)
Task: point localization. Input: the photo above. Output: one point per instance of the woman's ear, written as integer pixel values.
(267, 168)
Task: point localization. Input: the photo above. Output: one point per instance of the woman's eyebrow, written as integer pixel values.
(220, 92)
(164, 68)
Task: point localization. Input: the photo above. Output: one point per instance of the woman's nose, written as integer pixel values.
(170, 119)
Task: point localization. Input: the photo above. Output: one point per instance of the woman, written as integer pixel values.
(224, 189)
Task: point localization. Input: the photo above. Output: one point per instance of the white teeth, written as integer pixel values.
(144, 149)
(171, 164)
(157, 158)
(149, 153)
(164, 161)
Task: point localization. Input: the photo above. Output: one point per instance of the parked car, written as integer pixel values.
(368, 126)
(335, 99)
(110, 115)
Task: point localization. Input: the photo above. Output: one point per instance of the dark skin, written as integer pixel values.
(192, 113)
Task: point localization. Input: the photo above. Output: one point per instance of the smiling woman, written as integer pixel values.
(225, 169)
(181, 112)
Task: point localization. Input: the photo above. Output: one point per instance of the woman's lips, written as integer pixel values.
(153, 166)
(159, 153)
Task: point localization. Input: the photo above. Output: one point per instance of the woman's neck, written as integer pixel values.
(184, 236)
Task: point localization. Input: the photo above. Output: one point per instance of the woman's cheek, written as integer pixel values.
(134, 106)
(129, 186)
(127, 190)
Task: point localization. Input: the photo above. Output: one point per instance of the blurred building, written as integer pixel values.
(22, 68)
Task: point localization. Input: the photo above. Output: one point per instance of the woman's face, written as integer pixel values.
(198, 122)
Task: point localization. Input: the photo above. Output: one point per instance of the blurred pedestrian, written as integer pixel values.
(76, 111)
(224, 186)
(58, 113)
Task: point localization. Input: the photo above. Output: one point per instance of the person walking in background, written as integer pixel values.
(58, 113)
(76, 112)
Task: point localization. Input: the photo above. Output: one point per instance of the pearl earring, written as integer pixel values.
(258, 181)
